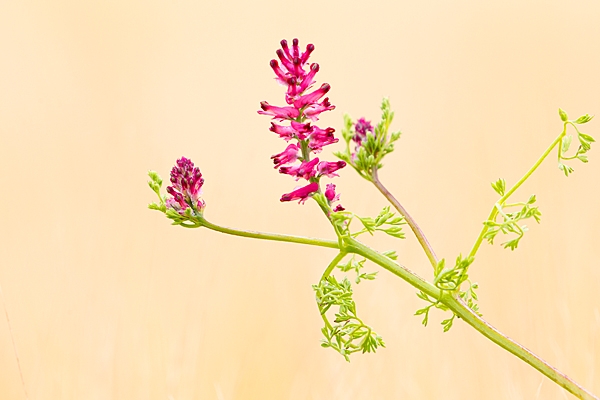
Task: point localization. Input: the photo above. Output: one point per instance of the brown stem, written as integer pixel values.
(409, 220)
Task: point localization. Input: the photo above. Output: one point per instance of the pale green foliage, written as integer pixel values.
(499, 186)
(510, 222)
(348, 334)
(387, 222)
(585, 142)
(357, 266)
(450, 279)
(155, 184)
(368, 156)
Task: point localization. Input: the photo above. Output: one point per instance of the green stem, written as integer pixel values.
(333, 264)
(354, 246)
(506, 195)
(270, 236)
(327, 272)
(458, 307)
(409, 220)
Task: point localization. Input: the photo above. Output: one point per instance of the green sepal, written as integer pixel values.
(563, 115)
(584, 119)
(499, 186)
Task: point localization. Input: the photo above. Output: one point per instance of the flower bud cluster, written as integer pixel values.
(302, 110)
(186, 187)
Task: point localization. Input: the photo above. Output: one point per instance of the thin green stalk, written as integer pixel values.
(270, 236)
(507, 194)
(409, 220)
(333, 264)
(456, 305)
(327, 272)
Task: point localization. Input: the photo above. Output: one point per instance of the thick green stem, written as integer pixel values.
(409, 220)
(354, 246)
(463, 311)
(507, 194)
(456, 305)
(270, 236)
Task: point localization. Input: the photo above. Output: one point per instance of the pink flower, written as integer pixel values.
(329, 168)
(330, 193)
(361, 128)
(301, 194)
(279, 113)
(312, 111)
(296, 130)
(187, 184)
(320, 138)
(289, 155)
(338, 208)
(305, 170)
(311, 98)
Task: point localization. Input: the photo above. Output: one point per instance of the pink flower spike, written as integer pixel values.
(279, 113)
(330, 193)
(328, 168)
(312, 111)
(301, 194)
(187, 184)
(289, 155)
(311, 98)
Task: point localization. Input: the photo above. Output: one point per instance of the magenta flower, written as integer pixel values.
(330, 192)
(305, 170)
(187, 184)
(320, 138)
(301, 193)
(312, 111)
(328, 168)
(289, 155)
(361, 128)
(303, 108)
(279, 113)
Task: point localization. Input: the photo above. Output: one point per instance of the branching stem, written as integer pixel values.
(506, 195)
(457, 305)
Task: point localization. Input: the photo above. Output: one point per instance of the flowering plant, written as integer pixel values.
(366, 145)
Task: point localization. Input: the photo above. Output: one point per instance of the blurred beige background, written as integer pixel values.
(108, 301)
